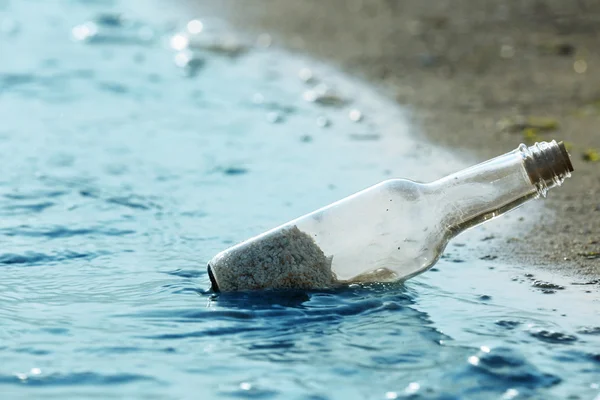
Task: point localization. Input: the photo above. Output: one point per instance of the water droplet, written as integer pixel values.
(245, 386)
(355, 115)
(85, 31)
(36, 371)
(412, 388)
(485, 349)
(179, 42)
(391, 395)
(473, 360)
(306, 75)
(195, 26)
(310, 95)
(182, 58)
(21, 376)
(510, 394)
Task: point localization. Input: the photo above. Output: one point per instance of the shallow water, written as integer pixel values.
(123, 174)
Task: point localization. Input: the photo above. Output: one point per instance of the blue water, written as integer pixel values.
(123, 174)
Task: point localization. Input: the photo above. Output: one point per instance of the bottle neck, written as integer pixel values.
(490, 189)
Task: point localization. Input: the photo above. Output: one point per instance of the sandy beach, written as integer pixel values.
(479, 77)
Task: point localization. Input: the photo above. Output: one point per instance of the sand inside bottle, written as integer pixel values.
(286, 258)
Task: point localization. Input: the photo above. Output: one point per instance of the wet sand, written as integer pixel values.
(480, 77)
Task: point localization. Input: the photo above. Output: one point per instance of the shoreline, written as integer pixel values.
(494, 74)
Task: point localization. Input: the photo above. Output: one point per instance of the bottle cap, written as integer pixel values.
(547, 164)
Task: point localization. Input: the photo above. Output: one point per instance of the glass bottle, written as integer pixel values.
(391, 231)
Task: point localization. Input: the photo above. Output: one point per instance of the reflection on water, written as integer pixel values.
(121, 178)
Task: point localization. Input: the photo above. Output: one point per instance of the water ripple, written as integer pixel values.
(551, 336)
(132, 201)
(38, 207)
(187, 273)
(205, 333)
(35, 194)
(73, 379)
(58, 231)
(33, 258)
(509, 367)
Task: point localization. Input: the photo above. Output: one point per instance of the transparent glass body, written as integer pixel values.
(399, 228)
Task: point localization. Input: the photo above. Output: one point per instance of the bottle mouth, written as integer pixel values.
(548, 164)
(566, 157)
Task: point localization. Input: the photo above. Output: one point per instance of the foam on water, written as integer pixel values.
(121, 177)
